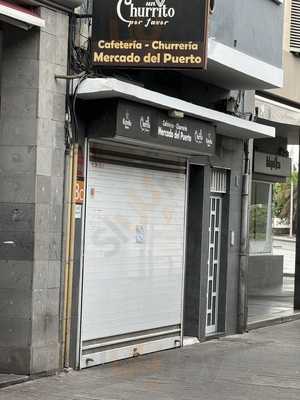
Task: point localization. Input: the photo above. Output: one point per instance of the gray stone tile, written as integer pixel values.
(47, 47)
(16, 160)
(15, 332)
(55, 224)
(47, 73)
(45, 358)
(39, 303)
(20, 74)
(45, 104)
(54, 357)
(53, 297)
(43, 189)
(17, 189)
(19, 103)
(42, 214)
(59, 137)
(17, 131)
(53, 326)
(54, 274)
(16, 274)
(45, 330)
(39, 330)
(41, 246)
(61, 55)
(16, 245)
(40, 274)
(46, 129)
(16, 217)
(50, 17)
(60, 84)
(57, 186)
(58, 162)
(43, 161)
(59, 107)
(14, 359)
(62, 30)
(15, 303)
(54, 246)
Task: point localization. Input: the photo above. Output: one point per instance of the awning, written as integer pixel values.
(285, 119)
(19, 16)
(227, 125)
(232, 69)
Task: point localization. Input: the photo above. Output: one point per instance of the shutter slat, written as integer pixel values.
(295, 27)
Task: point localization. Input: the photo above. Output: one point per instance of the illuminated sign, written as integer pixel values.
(150, 34)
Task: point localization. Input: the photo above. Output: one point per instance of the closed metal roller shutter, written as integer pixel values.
(133, 262)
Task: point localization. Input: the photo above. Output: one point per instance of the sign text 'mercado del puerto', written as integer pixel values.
(150, 33)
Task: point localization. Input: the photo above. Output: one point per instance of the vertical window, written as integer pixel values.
(261, 218)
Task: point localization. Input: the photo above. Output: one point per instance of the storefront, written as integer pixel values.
(153, 225)
(269, 291)
(265, 268)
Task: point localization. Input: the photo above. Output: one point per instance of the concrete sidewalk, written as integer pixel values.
(261, 365)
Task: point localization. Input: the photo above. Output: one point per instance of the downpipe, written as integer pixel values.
(68, 195)
(244, 238)
(69, 265)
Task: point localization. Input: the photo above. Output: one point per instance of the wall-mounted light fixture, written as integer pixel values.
(176, 114)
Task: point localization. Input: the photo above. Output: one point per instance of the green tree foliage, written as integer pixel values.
(282, 199)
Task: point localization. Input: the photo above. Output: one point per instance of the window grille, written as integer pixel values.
(218, 181)
(295, 27)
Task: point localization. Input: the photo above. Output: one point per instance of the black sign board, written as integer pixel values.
(144, 126)
(150, 33)
(271, 164)
(152, 126)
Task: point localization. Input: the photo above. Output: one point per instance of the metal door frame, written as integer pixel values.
(212, 311)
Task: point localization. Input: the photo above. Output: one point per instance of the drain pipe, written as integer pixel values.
(244, 242)
(68, 195)
(70, 255)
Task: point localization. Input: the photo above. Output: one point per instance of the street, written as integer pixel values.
(263, 364)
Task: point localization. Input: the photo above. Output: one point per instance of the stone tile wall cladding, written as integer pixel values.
(31, 195)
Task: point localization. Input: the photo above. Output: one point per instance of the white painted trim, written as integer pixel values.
(279, 113)
(121, 353)
(228, 125)
(27, 18)
(244, 64)
(277, 103)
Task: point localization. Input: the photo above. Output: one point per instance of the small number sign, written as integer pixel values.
(79, 192)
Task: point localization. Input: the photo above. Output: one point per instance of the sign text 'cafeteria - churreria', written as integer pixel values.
(154, 34)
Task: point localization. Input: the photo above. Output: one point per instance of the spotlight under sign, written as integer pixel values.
(150, 34)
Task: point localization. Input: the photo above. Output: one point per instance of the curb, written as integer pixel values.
(11, 380)
(274, 321)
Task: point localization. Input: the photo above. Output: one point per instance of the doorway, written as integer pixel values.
(213, 275)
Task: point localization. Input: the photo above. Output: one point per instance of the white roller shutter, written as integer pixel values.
(133, 262)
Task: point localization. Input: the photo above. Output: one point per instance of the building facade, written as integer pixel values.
(176, 271)
(124, 225)
(34, 48)
(280, 107)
